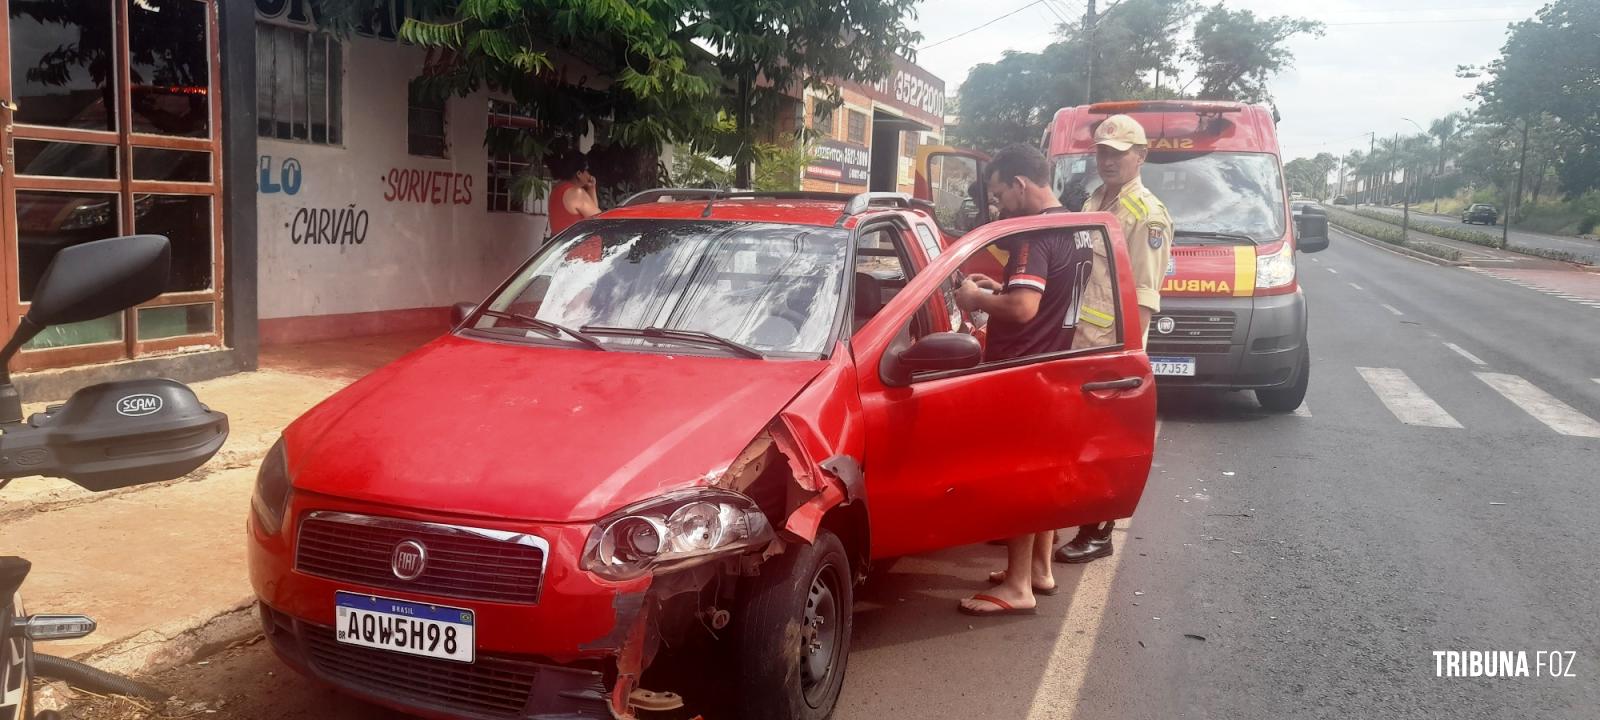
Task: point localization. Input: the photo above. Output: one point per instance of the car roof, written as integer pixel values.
(815, 209)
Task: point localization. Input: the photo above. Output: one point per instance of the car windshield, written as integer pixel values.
(1235, 193)
(770, 287)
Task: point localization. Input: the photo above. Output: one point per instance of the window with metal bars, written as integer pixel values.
(299, 85)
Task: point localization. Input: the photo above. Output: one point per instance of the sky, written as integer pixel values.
(1378, 62)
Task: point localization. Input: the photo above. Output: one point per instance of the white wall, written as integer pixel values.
(413, 255)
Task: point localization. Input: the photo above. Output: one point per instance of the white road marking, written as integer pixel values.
(1336, 272)
(1316, 260)
(1392, 309)
(1463, 353)
(1543, 406)
(1403, 398)
(1358, 287)
(1303, 411)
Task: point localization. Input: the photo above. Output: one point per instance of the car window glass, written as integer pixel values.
(773, 287)
(955, 184)
(930, 243)
(1079, 282)
(880, 272)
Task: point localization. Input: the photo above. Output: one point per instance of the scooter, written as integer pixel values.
(107, 436)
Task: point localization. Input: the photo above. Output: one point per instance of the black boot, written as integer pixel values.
(1093, 541)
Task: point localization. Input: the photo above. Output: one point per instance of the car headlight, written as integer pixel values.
(674, 531)
(1275, 270)
(271, 497)
(86, 217)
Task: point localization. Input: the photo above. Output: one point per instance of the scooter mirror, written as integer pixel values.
(95, 279)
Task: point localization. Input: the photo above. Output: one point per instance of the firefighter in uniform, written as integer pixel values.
(1120, 150)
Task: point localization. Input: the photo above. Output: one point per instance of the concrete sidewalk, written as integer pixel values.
(161, 567)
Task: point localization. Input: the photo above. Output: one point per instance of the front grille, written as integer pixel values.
(1193, 333)
(466, 563)
(491, 688)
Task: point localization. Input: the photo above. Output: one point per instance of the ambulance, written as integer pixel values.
(1233, 315)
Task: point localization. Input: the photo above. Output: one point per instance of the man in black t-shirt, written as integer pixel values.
(1053, 264)
(1032, 311)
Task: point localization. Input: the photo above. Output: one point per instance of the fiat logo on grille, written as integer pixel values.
(409, 560)
(1166, 325)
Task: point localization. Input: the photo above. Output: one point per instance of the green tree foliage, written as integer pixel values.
(1130, 46)
(1301, 174)
(639, 71)
(1550, 66)
(1237, 54)
(766, 48)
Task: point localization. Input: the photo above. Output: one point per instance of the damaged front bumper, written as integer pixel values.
(578, 652)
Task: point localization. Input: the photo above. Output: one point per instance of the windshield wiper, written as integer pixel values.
(549, 328)
(661, 333)
(1236, 238)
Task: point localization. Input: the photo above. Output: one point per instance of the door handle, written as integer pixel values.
(1127, 383)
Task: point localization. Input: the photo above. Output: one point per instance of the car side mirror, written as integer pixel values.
(937, 352)
(460, 311)
(1311, 231)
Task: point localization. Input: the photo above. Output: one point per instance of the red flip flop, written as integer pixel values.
(1047, 592)
(1005, 607)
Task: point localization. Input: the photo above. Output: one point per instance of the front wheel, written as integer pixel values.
(1289, 397)
(794, 633)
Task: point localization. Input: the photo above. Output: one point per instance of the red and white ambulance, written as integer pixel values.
(1233, 315)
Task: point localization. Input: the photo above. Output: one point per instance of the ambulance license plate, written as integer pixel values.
(402, 626)
(1166, 365)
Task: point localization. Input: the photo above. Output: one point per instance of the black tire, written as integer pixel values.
(1288, 397)
(777, 644)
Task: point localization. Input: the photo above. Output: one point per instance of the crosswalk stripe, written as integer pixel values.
(1543, 406)
(1405, 399)
(1465, 354)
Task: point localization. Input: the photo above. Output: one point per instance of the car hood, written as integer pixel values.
(536, 433)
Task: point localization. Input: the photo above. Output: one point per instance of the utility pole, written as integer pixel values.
(1088, 29)
(1516, 200)
(1405, 197)
(1372, 147)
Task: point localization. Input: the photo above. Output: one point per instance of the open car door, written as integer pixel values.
(956, 182)
(985, 450)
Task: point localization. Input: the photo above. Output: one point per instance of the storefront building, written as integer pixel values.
(117, 120)
(308, 191)
(377, 206)
(871, 141)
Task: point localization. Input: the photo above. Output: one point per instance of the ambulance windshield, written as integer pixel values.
(1206, 192)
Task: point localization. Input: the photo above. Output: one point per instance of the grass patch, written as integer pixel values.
(1390, 234)
(1454, 233)
(1561, 255)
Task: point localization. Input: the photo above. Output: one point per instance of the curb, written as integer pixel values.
(177, 642)
(1414, 255)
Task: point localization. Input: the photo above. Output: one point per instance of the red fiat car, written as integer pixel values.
(691, 421)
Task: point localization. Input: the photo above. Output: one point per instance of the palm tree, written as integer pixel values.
(1416, 153)
(1353, 162)
(1444, 128)
(1386, 158)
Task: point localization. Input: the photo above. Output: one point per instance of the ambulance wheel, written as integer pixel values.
(1289, 397)
(794, 633)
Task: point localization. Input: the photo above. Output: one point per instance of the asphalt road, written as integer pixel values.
(1578, 246)
(1436, 492)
